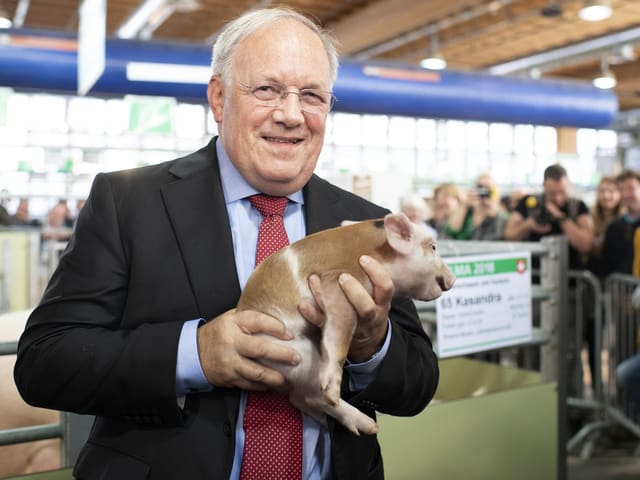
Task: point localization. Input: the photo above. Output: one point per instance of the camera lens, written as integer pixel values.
(482, 191)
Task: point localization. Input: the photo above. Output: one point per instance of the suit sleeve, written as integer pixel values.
(75, 354)
(408, 376)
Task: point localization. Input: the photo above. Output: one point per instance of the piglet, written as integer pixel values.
(280, 283)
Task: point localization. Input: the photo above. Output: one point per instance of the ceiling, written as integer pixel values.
(478, 35)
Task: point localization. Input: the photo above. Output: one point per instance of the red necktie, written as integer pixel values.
(273, 427)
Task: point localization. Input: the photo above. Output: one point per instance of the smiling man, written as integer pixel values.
(137, 325)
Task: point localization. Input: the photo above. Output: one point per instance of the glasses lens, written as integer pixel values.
(311, 100)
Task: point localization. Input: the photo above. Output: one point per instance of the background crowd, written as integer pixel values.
(603, 238)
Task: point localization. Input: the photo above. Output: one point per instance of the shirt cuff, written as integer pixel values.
(189, 375)
(362, 374)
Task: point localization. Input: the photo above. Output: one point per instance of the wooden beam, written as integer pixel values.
(385, 19)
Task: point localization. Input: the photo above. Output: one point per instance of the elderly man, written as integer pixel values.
(138, 326)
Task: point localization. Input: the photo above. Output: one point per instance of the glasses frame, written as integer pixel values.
(285, 92)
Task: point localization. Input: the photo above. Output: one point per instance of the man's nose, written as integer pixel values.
(291, 109)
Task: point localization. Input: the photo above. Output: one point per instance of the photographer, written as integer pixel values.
(553, 212)
(480, 218)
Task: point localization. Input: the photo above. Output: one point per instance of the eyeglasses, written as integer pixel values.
(271, 94)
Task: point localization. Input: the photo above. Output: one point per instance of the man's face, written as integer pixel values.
(274, 148)
(556, 191)
(630, 195)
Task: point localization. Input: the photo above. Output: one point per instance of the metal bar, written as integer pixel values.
(8, 348)
(30, 434)
(553, 364)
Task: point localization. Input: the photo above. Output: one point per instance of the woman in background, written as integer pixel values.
(481, 218)
(606, 208)
(447, 198)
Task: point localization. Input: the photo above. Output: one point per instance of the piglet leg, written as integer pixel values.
(337, 332)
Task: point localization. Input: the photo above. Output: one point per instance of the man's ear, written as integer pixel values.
(401, 233)
(215, 95)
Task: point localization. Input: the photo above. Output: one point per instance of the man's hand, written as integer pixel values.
(372, 310)
(229, 350)
(535, 227)
(555, 212)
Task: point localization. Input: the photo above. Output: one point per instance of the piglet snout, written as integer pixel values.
(445, 282)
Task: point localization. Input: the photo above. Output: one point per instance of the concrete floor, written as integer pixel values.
(609, 460)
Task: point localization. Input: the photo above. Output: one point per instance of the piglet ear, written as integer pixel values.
(401, 233)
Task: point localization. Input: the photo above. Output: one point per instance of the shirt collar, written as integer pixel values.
(234, 186)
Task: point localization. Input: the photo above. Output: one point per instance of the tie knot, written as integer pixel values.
(269, 206)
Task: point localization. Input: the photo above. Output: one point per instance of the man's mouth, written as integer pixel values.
(291, 141)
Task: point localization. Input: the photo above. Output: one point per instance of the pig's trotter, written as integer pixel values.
(330, 385)
(352, 418)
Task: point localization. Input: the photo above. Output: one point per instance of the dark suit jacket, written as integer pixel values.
(153, 248)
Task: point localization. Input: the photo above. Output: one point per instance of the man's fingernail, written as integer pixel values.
(296, 359)
(364, 259)
(343, 278)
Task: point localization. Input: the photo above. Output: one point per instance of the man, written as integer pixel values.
(621, 254)
(553, 213)
(120, 331)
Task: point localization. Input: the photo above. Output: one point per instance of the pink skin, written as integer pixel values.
(274, 148)
(630, 195)
(608, 196)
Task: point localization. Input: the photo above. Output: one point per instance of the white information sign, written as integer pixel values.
(488, 307)
(91, 43)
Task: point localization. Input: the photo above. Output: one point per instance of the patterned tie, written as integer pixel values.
(273, 427)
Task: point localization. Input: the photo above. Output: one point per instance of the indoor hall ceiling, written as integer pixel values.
(472, 35)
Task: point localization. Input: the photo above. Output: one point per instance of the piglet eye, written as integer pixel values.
(433, 248)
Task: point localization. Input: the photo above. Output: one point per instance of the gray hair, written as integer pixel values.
(252, 21)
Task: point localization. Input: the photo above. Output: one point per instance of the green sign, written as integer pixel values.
(151, 115)
(489, 267)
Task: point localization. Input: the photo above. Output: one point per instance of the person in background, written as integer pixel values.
(554, 212)
(416, 209)
(509, 201)
(138, 325)
(628, 377)
(621, 243)
(480, 218)
(71, 219)
(56, 228)
(447, 198)
(5, 217)
(606, 208)
(22, 216)
(621, 254)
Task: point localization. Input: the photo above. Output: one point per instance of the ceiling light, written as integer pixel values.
(434, 60)
(5, 20)
(595, 11)
(607, 78)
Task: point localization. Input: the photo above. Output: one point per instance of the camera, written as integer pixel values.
(483, 192)
(543, 217)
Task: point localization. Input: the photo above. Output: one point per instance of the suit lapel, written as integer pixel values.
(322, 207)
(197, 211)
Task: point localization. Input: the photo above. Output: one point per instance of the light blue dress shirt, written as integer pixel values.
(190, 378)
